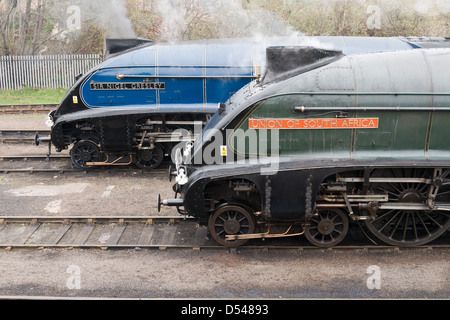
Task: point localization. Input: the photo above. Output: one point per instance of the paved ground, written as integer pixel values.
(80, 195)
(216, 274)
(23, 122)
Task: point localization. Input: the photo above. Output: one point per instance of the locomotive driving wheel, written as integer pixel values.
(328, 228)
(408, 228)
(150, 159)
(84, 152)
(231, 220)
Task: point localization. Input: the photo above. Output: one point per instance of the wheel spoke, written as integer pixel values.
(396, 189)
(414, 226)
(434, 221)
(405, 226)
(424, 225)
(396, 226)
(382, 216)
(389, 222)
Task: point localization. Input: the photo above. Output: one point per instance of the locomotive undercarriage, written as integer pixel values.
(146, 143)
(403, 207)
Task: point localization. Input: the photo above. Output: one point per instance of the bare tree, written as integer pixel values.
(9, 7)
(25, 26)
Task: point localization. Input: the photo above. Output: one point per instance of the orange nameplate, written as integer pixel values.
(305, 124)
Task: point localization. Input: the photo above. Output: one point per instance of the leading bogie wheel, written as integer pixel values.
(150, 159)
(328, 228)
(231, 220)
(84, 152)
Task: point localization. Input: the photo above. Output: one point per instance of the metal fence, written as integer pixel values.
(37, 72)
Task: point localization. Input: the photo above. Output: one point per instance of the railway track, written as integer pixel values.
(140, 233)
(28, 109)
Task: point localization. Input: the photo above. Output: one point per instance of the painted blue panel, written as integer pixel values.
(187, 91)
(219, 91)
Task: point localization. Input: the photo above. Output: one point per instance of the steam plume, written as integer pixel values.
(231, 19)
(111, 15)
(432, 7)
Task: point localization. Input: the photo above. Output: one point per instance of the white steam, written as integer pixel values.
(229, 17)
(432, 7)
(111, 15)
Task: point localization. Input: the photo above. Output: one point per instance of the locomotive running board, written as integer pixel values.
(264, 235)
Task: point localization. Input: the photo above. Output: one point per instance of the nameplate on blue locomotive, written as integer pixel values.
(128, 85)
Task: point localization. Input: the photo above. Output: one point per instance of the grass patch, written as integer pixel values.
(32, 96)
